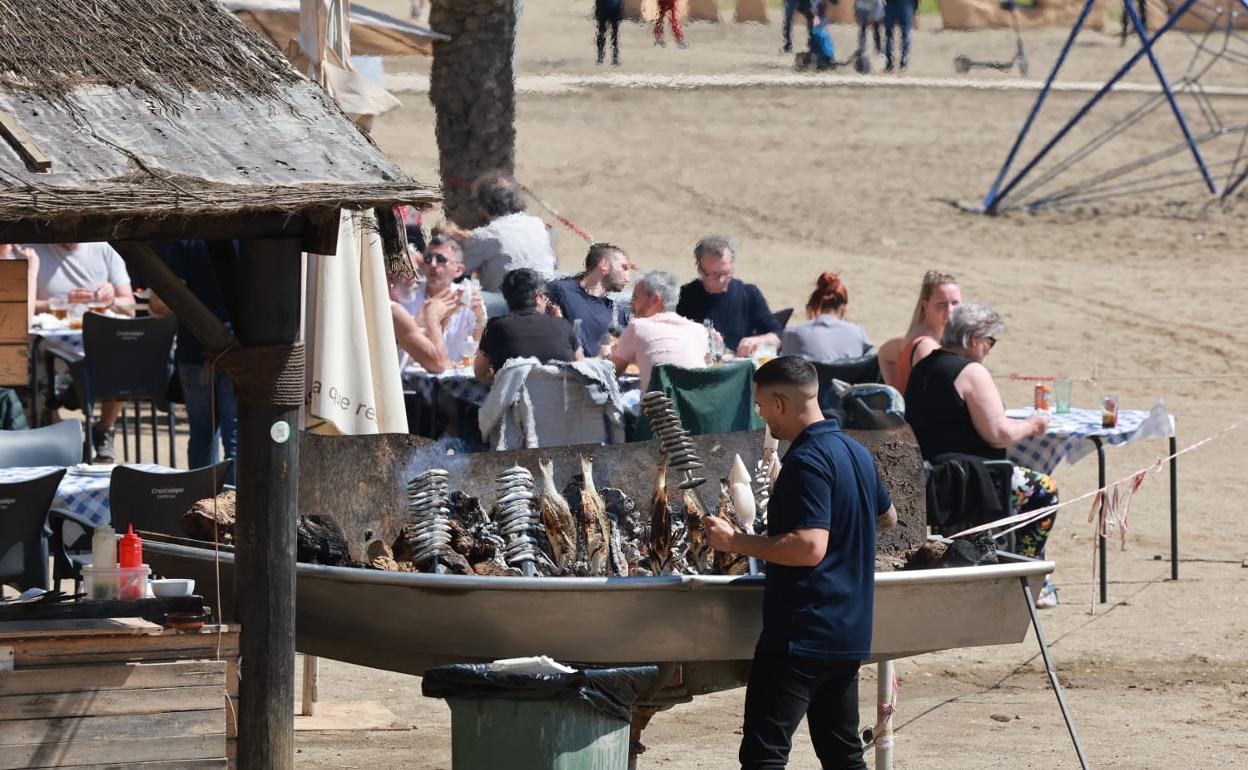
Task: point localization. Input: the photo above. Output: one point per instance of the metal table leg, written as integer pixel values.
(1174, 509)
(1100, 531)
(1048, 668)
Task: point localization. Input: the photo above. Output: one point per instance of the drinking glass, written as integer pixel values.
(57, 306)
(1109, 410)
(1062, 390)
(75, 312)
(469, 352)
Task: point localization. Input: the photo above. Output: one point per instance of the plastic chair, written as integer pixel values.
(564, 410)
(23, 540)
(855, 371)
(713, 399)
(1002, 474)
(149, 501)
(127, 359)
(56, 444)
(782, 316)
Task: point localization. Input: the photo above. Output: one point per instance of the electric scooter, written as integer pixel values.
(963, 64)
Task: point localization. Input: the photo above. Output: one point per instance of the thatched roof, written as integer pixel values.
(168, 117)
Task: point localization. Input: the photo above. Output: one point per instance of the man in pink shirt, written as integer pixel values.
(657, 335)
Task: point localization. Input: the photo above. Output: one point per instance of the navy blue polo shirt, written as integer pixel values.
(596, 314)
(828, 481)
(740, 311)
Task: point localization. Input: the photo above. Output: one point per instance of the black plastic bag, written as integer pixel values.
(610, 690)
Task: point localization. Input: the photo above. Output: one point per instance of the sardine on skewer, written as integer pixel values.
(661, 536)
(593, 522)
(557, 518)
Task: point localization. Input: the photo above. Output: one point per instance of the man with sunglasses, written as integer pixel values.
(455, 320)
(737, 309)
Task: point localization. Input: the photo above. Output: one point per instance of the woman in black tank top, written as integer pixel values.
(954, 407)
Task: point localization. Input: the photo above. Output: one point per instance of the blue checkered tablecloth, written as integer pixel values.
(67, 338)
(85, 494)
(1068, 434)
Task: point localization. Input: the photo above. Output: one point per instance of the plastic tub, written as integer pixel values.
(115, 582)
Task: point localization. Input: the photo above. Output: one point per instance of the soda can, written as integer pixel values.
(1043, 397)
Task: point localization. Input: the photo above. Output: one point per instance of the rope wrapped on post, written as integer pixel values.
(272, 374)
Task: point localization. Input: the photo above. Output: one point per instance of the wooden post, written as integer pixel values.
(269, 304)
(311, 678)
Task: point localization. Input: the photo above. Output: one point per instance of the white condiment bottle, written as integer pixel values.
(104, 556)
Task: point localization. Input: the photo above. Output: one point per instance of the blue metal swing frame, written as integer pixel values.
(1001, 188)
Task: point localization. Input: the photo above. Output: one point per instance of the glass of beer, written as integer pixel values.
(96, 305)
(75, 312)
(469, 352)
(58, 307)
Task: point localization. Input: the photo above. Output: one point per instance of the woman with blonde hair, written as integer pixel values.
(938, 296)
(827, 336)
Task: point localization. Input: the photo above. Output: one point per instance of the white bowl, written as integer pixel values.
(173, 587)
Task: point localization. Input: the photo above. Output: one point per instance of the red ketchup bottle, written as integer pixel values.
(130, 555)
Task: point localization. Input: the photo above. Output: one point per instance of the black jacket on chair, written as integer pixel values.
(962, 492)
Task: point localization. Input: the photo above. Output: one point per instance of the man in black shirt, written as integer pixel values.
(737, 309)
(527, 331)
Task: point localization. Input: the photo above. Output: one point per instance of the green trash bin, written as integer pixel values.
(535, 735)
(513, 721)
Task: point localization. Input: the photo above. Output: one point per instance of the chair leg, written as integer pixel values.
(88, 447)
(155, 434)
(138, 432)
(125, 434)
(173, 432)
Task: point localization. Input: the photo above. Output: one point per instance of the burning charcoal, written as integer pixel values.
(466, 509)
(617, 560)
(319, 540)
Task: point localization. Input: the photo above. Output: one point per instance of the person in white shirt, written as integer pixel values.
(657, 335)
(511, 239)
(86, 273)
(438, 323)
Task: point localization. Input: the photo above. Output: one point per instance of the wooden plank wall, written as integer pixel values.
(158, 700)
(17, 301)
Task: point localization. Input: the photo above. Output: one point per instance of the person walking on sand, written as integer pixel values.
(897, 13)
(609, 14)
(818, 591)
(667, 9)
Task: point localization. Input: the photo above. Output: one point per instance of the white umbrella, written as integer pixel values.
(371, 33)
(354, 384)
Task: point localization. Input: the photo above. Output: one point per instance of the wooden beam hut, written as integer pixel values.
(139, 120)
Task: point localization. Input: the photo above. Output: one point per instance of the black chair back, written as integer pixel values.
(155, 502)
(782, 316)
(56, 444)
(127, 358)
(23, 543)
(855, 371)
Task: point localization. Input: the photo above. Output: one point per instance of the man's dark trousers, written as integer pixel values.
(784, 688)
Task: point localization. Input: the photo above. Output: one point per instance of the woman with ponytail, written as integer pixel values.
(827, 336)
(938, 296)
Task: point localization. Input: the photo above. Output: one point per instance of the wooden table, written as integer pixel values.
(91, 693)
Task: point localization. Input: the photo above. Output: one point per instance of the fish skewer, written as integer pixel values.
(674, 441)
(428, 508)
(516, 517)
(661, 537)
(594, 524)
(557, 517)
